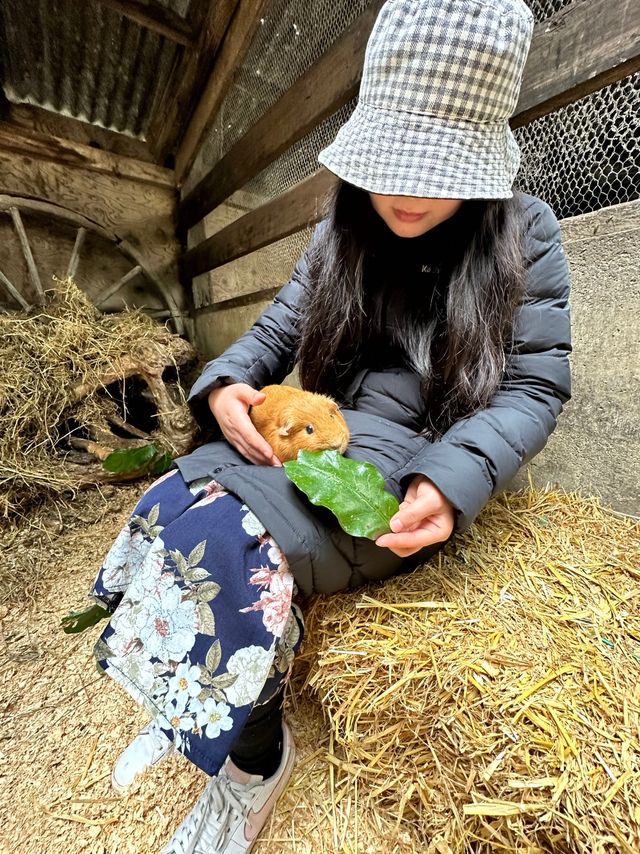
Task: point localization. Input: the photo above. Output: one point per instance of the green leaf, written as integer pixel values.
(352, 489)
(154, 513)
(78, 621)
(225, 680)
(102, 651)
(204, 694)
(162, 463)
(129, 459)
(180, 561)
(198, 573)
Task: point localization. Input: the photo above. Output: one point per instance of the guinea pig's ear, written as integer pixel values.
(286, 427)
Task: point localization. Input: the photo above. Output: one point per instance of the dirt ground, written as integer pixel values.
(63, 725)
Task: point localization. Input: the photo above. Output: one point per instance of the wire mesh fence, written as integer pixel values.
(579, 158)
(584, 156)
(288, 41)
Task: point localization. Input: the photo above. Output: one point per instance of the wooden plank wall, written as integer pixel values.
(588, 44)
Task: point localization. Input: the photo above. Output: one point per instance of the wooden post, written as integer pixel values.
(154, 17)
(171, 115)
(232, 52)
(282, 216)
(583, 47)
(325, 87)
(65, 152)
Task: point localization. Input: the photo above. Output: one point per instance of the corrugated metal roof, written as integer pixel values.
(84, 60)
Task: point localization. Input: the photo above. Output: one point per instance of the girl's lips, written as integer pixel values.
(407, 217)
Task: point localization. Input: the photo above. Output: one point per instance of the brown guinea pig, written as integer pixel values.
(292, 420)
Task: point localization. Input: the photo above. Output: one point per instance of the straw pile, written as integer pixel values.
(54, 364)
(490, 700)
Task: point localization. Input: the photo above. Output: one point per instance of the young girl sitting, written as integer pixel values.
(432, 304)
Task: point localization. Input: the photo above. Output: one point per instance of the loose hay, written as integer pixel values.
(484, 611)
(67, 725)
(53, 363)
(491, 699)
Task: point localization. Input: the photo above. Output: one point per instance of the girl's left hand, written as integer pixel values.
(425, 517)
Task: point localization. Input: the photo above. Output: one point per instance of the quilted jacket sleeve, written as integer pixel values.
(480, 454)
(266, 352)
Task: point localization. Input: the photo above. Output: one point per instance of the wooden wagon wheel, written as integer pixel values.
(133, 271)
(114, 273)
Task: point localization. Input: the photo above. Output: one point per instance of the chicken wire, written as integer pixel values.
(584, 156)
(291, 37)
(578, 159)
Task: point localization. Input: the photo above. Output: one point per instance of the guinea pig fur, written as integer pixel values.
(292, 420)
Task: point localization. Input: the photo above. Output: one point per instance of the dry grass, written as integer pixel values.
(63, 725)
(492, 700)
(53, 364)
(487, 702)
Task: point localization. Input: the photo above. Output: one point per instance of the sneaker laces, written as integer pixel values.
(223, 799)
(159, 738)
(229, 799)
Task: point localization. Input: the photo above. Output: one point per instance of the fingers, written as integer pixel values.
(239, 430)
(229, 405)
(253, 397)
(411, 513)
(432, 530)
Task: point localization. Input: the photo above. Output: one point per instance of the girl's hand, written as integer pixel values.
(425, 517)
(230, 407)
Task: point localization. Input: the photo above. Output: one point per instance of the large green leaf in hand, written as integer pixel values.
(352, 489)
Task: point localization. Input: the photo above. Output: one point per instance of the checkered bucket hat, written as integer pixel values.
(440, 80)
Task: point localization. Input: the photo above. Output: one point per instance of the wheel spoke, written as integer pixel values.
(119, 284)
(75, 255)
(26, 251)
(14, 292)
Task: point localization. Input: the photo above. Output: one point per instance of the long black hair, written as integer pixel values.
(455, 339)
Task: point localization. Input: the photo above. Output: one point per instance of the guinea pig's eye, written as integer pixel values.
(309, 428)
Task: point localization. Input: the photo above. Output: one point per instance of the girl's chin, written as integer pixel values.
(409, 229)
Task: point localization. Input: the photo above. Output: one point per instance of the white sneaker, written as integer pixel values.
(232, 810)
(148, 748)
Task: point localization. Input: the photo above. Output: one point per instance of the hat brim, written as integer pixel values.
(410, 154)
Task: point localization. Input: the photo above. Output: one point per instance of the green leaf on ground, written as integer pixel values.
(163, 462)
(352, 489)
(78, 621)
(129, 459)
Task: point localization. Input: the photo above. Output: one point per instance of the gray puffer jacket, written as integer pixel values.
(383, 407)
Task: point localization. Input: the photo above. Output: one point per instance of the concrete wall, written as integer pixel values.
(596, 446)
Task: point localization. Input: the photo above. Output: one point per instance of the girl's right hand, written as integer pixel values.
(230, 407)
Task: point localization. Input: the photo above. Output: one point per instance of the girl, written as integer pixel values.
(432, 302)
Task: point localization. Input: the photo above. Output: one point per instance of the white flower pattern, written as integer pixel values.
(252, 665)
(159, 645)
(251, 524)
(137, 669)
(185, 682)
(214, 718)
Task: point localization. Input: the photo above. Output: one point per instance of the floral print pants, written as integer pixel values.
(203, 627)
